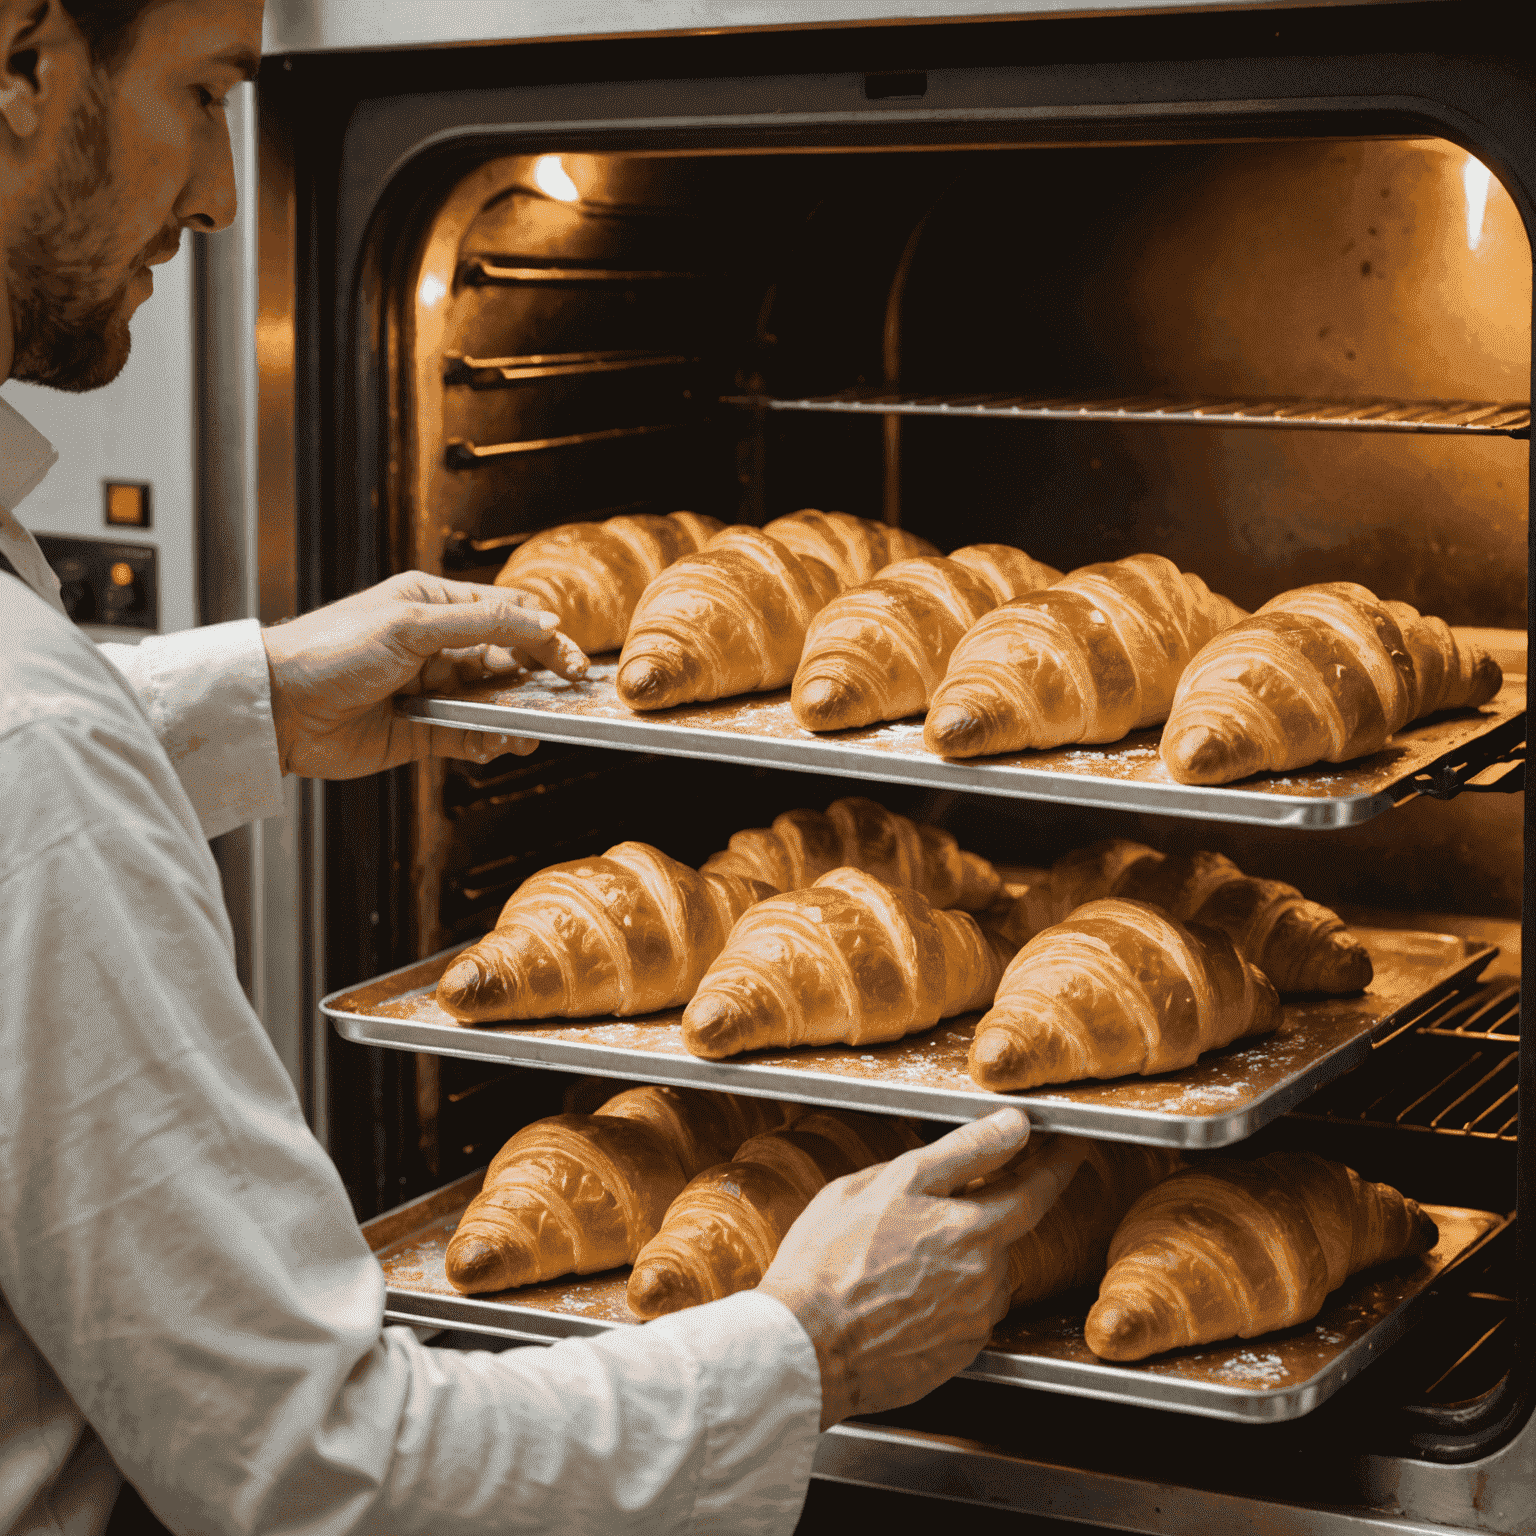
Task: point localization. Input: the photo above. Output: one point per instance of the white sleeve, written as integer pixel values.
(182, 1252)
(207, 693)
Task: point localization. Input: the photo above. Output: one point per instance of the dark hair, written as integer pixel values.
(108, 26)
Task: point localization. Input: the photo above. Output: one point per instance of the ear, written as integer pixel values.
(30, 32)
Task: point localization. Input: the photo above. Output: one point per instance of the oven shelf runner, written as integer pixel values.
(1224, 1097)
(1437, 756)
(1476, 417)
(1265, 1380)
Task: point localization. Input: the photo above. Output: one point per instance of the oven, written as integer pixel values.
(1249, 288)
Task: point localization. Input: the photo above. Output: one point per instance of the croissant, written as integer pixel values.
(854, 548)
(1008, 571)
(1300, 945)
(1118, 987)
(592, 574)
(848, 959)
(722, 1231)
(802, 846)
(731, 619)
(1243, 1248)
(1067, 1248)
(578, 1193)
(630, 932)
(1323, 673)
(878, 651)
(1088, 659)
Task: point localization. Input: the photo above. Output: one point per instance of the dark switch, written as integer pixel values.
(104, 582)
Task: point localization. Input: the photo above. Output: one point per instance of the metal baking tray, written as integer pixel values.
(1223, 1098)
(759, 730)
(1280, 1376)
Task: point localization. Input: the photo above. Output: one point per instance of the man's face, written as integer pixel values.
(144, 154)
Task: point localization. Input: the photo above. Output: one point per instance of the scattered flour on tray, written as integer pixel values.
(1251, 1367)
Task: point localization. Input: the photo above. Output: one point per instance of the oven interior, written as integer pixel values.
(574, 335)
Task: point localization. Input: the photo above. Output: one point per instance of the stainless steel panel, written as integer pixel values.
(318, 26)
(968, 1471)
(1128, 775)
(1279, 1376)
(1221, 1099)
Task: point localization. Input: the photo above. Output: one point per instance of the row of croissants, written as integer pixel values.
(855, 926)
(870, 623)
(696, 1190)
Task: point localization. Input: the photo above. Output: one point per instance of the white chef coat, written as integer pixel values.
(184, 1294)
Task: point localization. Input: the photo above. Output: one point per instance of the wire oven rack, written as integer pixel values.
(1510, 418)
(1424, 1085)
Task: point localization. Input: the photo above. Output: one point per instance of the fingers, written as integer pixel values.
(475, 746)
(969, 1152)
(424, 628)
(560, 654)
(1012, 1205)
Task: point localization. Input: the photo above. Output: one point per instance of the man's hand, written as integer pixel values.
(335, 672)
(897, 1278)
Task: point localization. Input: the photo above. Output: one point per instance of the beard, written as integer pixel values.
(69, 309)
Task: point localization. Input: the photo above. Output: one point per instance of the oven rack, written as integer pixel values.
(1223, 1098)
(1279, 1377)
(1460, 417)
(1439, 756)
(1426, 1085)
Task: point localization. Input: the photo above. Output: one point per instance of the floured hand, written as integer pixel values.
(335, 672)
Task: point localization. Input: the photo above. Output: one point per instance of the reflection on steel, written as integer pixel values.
(479, 269)
(463, 455)
(1224, 1097)
(1509, 419)
(487, 372)
(760, 730)
(1280, 1376)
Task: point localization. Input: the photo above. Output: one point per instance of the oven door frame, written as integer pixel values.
(380, 136)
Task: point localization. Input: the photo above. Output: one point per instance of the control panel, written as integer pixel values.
(105, 583)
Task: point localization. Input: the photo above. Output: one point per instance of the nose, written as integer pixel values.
(208, 200)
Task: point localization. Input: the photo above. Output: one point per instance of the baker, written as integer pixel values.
(185, 1299)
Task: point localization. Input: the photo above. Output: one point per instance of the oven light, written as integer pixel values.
(550, 177)
(431, 290)
(1475, 178)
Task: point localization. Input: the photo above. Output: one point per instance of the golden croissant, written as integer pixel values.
(847, 960)
(730, 619)
(1088, 659)
(592, 574)
(1320, 674)
(1231, 1248)
(630, 932)
(1300, 945)
(722, 1231)
(853, 547)
(1068, 1247)
(879, 651)
(1119, 987)
(577, 1193)
(803, 845)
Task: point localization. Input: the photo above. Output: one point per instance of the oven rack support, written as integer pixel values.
(1454, 417)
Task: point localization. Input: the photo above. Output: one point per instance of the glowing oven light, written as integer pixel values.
(1475, 177)
(431, 290)
(549, 176)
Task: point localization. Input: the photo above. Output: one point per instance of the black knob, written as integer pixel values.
(79, 599)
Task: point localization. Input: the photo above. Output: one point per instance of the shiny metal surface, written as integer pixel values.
(910, 1461)
(1266, 1380)
(760, 730)
(1488, 419)
(319, 26)
(1221, 1099)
